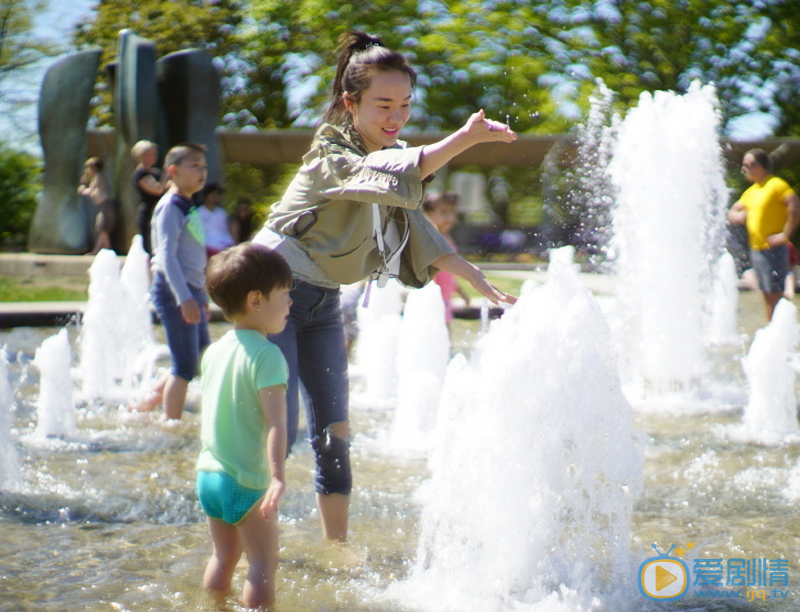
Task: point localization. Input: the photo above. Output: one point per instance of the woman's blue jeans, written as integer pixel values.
(313, 344)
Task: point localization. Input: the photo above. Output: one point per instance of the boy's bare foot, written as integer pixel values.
(147, 403)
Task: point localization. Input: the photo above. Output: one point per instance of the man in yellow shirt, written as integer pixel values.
(770, 209)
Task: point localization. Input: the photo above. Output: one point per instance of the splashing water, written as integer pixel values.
(101, 354)
(562, 256)
(722, 326)
(595, 139)
(117, 348)
(10, 475)
(376, 347)
(668, 227)
(55, 407)
(771, 411)
(534, 468)
(137, 343)
(423, 351)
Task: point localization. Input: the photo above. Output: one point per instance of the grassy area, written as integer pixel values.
(75, 289)
(43, 289)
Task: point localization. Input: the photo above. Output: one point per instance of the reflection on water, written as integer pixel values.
(108, 520)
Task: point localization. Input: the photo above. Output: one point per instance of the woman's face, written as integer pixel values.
(383, 109)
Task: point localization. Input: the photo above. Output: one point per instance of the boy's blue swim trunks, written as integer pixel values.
(225, 499)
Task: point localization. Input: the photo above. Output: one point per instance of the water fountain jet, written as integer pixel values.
(423, 351)
(535, 464)
(668, 223)
(771, 411)
(55, 406)
(117, 350)
(10, 474)
(376, 346)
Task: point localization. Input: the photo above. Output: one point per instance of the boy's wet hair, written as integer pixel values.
(233, 273)
(181, 151)
(432, 200)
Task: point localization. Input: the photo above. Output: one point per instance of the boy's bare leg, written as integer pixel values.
(334, 510)
(260, 538)
(154, 397)
(225, 556)
(175, 396)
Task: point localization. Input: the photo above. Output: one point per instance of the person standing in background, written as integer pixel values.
(95, 187)
(150, 184)
(441, 210)
(178, 270)
(241, 222)
(770, 209)
(215, 220)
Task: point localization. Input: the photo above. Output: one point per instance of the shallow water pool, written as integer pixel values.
(109, 520)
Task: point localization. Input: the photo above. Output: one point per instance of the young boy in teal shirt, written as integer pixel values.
(241, 464)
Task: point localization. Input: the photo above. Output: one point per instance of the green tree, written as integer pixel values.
(747, 49)
(19, 50)
(172, 26)
(638, 46)
(468, 54)
(20, 182)
(775, 79)
(288, 54)
(262, 186)
(532, 63)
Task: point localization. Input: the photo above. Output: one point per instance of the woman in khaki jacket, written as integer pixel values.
(353, 212)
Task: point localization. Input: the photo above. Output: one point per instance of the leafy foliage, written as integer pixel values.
(466, 57)
(19, 185)
(19, 50)
(18, 47)
(514, 58)
(534, 64)
(262, 186)
(776, 67)
(741, 47)
(172, 26)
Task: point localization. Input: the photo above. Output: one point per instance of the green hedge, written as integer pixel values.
(20, 184)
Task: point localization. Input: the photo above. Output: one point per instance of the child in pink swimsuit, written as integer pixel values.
(441, 211)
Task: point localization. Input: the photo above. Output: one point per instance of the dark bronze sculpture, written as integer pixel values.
(170, 100)
(189, 89)
(136, 117)
(61, 223)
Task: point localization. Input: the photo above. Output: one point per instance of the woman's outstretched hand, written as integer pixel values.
(485, 288)
(478, 129)
(481, 129)
(455, 264)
